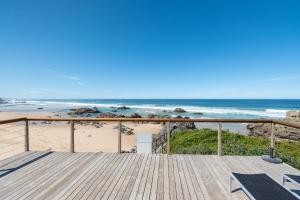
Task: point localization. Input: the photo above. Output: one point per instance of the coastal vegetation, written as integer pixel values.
(204, 141)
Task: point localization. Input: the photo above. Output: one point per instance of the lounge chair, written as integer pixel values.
(291, 178)
(261, 187)
(294, 179)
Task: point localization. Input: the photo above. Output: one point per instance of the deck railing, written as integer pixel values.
(167, 121)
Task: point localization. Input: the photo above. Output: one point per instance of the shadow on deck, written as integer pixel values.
(55, 175)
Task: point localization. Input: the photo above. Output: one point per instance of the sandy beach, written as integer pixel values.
(56, 136)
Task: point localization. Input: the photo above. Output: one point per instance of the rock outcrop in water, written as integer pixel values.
(179, 110)
(280, 131)
(123, 108)
(81, 111)
(2, 101)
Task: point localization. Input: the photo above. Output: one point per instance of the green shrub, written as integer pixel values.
(204, 141)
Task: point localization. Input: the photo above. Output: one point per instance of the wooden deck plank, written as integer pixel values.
(214, 172)
(105, 183)
(117, 180)
(128, 176)
(205, 178)
(14, 180)
(134, 177)
(161, 177)
(178, 185)
(138, 179)
(149, 180)
(188, 178)
(183, 181)
(83, 185)
(15, 162)
(42, 178)
(91, 186)
(13, 159)
(118, 191)
(142, 185)
(58, 182)
(70, 188)
(172, 186)
(154, 186)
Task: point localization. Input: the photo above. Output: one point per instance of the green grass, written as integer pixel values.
(204, 141)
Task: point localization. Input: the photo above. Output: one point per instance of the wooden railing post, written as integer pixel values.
(168, 137)
(72, 137)
(273, 139)
(120, 137)
(219, 139)
(26, 135)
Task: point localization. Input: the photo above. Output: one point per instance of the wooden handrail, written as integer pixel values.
(162, 120)
(270, 121)
(155, 120)
(286, 123)
(7, 121)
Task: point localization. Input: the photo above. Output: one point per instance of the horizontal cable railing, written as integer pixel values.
(162, 141)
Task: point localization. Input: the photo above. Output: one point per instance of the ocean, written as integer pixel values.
(211, 108)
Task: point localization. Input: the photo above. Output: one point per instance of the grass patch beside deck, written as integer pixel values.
(204, 141)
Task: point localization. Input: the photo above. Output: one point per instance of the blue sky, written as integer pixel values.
(150, 49)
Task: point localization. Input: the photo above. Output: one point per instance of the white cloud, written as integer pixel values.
(284, 78)
(76, 79)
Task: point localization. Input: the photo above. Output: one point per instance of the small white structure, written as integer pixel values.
(144, 143)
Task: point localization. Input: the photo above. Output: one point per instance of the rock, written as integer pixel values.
(123, 108)
(133, 149)
(280, 131)
(109, 115)
(158, 116)
(179, 126)
(293, 114)
(179, 110)
(198, 113)
(152, 116)
(40, 108)
(136, 115)
(114, 111)
(2, 101)
(81, 111)
(125, 130)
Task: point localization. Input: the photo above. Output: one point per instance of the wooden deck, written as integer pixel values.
(54, 175)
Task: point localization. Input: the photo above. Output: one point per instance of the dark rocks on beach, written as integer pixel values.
(114, 111)
(293, 115)
(109, 115)
(125, 130)
(178, 126)
(81, 111)
(136, 115)
(158, 116)
(113, 115)
(152, 116)
(280, 131)
(179, 110)
(123, 108)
